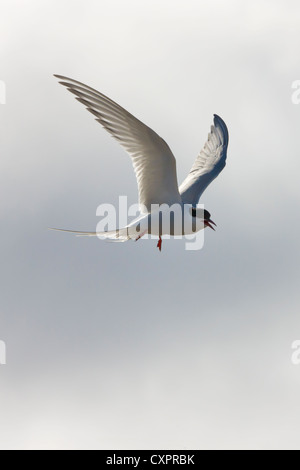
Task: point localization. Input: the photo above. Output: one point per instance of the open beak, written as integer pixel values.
(209, 223)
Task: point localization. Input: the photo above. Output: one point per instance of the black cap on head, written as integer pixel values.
(206, 215)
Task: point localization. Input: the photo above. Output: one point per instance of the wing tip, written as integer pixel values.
(221, 126)
(67, 81)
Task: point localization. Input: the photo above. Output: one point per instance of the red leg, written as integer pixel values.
(141, 235)
(159, 243)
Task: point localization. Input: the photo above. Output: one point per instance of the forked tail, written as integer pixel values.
(118, 235)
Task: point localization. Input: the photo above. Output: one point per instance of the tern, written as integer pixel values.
(155, 169)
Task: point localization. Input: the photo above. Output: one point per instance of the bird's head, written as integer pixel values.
(205, 215)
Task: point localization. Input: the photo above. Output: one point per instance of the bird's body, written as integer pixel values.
(165, 208)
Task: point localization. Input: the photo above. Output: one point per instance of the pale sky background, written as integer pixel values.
(117, 345)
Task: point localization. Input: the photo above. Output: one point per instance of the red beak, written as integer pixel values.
(209, 223)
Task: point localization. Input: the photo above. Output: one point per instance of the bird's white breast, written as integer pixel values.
(175, 220)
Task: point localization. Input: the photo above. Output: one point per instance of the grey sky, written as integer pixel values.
(118, 345)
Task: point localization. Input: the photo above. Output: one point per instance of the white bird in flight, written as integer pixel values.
(155, 169)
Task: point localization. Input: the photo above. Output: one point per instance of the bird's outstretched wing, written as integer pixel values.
(154, 163)
(209, 163)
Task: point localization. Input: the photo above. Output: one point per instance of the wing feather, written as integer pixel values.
(154, 163)
(209, 163)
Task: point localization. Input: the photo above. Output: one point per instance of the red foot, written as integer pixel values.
(159, 244)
